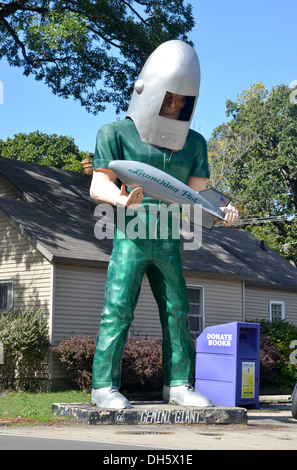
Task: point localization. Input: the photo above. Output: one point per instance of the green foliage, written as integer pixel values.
(275, 367)
(265, 178)
(25, 338)
(57, 31)
(91, 50)
(24, 332)
(43, 149)
(255, 155)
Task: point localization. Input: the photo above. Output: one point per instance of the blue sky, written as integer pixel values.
(238, 43)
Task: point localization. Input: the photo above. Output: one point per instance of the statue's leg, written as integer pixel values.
(126, 269)
(169, 288)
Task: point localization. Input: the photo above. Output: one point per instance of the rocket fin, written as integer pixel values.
(215, 198)
(207, 220)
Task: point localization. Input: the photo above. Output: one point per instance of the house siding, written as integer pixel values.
(30, 271)
(223, 299)
(79, 299)
(146, 321)
(257, 303)
(7, 191)
(78, 302)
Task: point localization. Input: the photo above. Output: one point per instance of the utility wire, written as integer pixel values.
(261, 220)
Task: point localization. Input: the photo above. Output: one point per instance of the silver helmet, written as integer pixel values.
(173, 68)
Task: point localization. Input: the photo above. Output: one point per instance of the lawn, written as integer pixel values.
(35, 408)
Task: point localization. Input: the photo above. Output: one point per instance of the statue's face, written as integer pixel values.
(165, 95)
(172, 105)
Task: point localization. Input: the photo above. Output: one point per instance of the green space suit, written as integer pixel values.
(159, 258)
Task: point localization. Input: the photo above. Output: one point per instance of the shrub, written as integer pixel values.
(275, 367)
(269, 356)
(77, 353)
(25, 338)
(141, 363)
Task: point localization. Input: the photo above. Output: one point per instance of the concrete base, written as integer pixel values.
(152, 413)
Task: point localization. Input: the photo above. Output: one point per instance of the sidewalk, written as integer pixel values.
(274, 399)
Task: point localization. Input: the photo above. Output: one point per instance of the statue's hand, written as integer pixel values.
(231, 215)
(130, 200)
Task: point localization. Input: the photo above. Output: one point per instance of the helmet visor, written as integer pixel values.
(178, 107)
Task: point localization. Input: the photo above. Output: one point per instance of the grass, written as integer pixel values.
(36, 408)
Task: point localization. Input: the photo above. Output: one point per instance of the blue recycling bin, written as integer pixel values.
(228, 364)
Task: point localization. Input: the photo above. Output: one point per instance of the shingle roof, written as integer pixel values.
(57, 216)
(56, 212)
(270, 269)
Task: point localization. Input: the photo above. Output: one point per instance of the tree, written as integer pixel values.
(262, 181)
(225, 148)
(43, 149)
(91, 50)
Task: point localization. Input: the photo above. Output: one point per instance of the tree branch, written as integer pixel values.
(17, 40)
(30, 61)
(135, 12)
(109, 41)
(7, 9)
(97, 29)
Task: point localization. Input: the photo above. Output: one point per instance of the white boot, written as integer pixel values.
(109, 398)
(185, 395)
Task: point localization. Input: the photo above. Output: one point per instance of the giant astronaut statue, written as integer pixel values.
(156, 131)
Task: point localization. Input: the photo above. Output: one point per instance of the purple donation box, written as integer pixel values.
(228, 364)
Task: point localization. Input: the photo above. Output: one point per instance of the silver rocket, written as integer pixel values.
(164, 187)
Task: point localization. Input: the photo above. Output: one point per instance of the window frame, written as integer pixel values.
(8, 281)
(277, 302)
(202, 310)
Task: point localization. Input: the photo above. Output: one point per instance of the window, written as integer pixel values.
(277, 310)
(195, 296)
(6, 294)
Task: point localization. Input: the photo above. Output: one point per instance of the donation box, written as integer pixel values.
(228, 364)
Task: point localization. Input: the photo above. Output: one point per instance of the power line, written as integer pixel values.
(264, 220)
